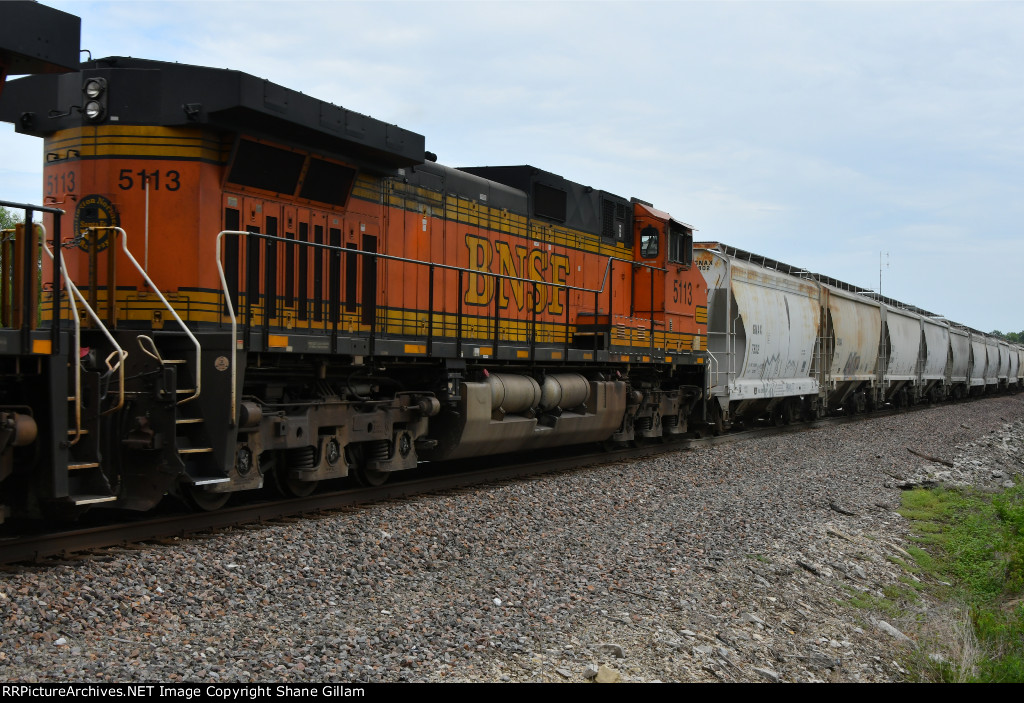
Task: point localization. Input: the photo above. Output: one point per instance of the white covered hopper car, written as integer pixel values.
(784, 342)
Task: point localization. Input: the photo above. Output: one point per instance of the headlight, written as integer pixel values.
(93, 110)
(94, 87)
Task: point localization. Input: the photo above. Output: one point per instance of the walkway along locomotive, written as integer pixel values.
(264, 287)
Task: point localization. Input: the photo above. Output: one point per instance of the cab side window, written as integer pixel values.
(649, 242)
(680, 243)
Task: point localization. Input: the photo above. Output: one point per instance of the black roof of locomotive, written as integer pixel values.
(37, 39)
(145, 92)
(583, 204)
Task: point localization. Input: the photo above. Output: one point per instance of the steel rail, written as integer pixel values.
(40, 547)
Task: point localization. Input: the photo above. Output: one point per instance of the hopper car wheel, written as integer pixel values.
(808, 410)
(901, 400)
(204, 501)
(717, 425)
(788, 411)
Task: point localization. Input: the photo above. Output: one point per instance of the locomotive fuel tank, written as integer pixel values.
(512, 412)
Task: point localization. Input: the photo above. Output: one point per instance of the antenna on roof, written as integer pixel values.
(880, 266)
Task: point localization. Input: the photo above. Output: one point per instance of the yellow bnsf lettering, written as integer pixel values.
(507, 266)
(538, 264)
(559, 274)
(518, 263)
(480, 290)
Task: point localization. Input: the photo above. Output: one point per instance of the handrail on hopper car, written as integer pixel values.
(388, 257)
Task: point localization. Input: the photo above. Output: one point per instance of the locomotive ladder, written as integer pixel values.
(87, 460)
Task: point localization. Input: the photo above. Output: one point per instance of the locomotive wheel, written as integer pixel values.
(278, 481)
(203, 501)
(368, 478)
(289, 487)
(61, 514)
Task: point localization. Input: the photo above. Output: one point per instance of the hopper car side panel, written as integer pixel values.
(936, 341)
(903, 348)
(1004, 362)
(960, 351)
(854, 325)
(992, 361)
(763, 332)
(979, 359)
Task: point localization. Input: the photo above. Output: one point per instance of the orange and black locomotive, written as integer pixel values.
(262, 287)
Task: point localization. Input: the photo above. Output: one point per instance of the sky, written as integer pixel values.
(880, 143)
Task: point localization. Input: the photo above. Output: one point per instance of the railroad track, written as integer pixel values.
(83, 542)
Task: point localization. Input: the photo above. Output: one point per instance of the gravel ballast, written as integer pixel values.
(730, 563)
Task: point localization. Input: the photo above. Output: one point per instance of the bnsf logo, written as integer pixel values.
(519, 262)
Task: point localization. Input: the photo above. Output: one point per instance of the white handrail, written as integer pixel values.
(121, 353)
(78, 347)
(386, 257)
(170, 308)
(234, 322)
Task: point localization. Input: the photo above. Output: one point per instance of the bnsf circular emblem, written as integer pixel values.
(95, 211)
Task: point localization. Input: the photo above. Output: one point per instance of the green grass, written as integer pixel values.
(868, 601)
(973, 542)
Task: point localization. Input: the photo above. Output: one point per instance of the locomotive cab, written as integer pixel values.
(666, 284)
